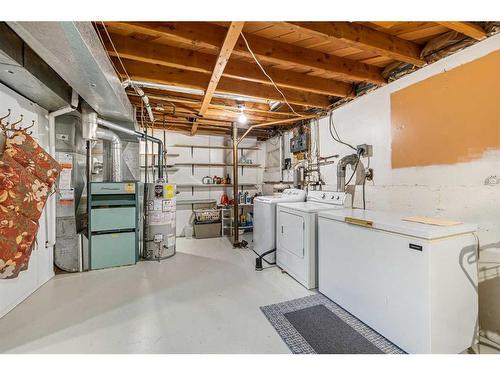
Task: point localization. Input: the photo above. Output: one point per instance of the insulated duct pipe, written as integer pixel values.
(143, 97)
(116, 152)
(119, 128)
(351, 160)
(50, 211)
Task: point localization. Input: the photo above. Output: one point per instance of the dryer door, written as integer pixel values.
(291, 233)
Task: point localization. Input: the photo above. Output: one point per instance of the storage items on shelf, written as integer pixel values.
(245, 197)
(224, 200)
(245, 216)
(216, 180)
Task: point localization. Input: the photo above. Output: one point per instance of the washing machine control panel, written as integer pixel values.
(294, 192)
(330, 197)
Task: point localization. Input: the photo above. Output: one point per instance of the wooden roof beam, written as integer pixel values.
(249, 106)
(156, 53)
(467, 28)
(205, 35)
(233, 33)
(196, 80)
(363, 38)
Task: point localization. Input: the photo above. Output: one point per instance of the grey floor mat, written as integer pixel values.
(310, 331)
(327, 333)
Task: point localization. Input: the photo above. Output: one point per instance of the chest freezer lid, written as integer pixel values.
(392, 222)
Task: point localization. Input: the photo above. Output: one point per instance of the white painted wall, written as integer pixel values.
(453, 191)
(450, 191)
(40, 268)
(184, 174)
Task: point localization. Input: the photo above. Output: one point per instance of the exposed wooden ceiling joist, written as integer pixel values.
(210, 114)
(203, 129)
(467, 28)
(161, 54)
(182, 97)
(195, 103)
(307, 60)
(191, 110)
(233, 33)
(362, 37)
(196, 80)
(211, 36)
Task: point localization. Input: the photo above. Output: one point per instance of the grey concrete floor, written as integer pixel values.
(205, 299)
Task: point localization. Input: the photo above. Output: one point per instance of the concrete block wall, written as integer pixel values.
(185, 175)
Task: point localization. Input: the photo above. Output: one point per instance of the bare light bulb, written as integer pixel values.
(242, 119)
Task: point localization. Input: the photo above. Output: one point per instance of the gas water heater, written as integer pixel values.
(159, 221)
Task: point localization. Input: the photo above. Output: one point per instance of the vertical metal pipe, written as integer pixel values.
(89, 180)
(235, 185)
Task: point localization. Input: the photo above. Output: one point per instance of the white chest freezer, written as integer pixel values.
(415, 284)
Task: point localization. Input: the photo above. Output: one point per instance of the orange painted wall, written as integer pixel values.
(448, 118)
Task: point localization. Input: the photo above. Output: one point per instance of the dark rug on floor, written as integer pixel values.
(315, 324)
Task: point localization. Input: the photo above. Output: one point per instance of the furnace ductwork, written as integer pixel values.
(119, 128)
(116, 152)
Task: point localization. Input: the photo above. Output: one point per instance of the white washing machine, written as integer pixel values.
(296, 244)
(414, 283)
(264, 221)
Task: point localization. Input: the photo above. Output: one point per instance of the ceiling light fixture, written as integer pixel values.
(242, 118)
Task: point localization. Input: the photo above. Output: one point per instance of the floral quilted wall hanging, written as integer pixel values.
(27, 177)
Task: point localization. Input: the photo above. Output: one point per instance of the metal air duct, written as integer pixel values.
(74, 51)
(119, 128)
(116, 152)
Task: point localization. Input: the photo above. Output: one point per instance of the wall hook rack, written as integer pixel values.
(5, 117)
(13, 125)
(8, 127)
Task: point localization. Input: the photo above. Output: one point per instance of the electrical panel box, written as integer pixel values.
(299, 143)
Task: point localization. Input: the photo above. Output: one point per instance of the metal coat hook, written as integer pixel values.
(12, 126)
(29, 127)
(6, 116)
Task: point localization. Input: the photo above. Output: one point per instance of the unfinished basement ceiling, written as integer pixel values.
(316, 65)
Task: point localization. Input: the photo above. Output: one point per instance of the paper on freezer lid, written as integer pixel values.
(432, 221)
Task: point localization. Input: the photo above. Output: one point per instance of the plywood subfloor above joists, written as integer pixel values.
(196, 80)
(313, 64)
